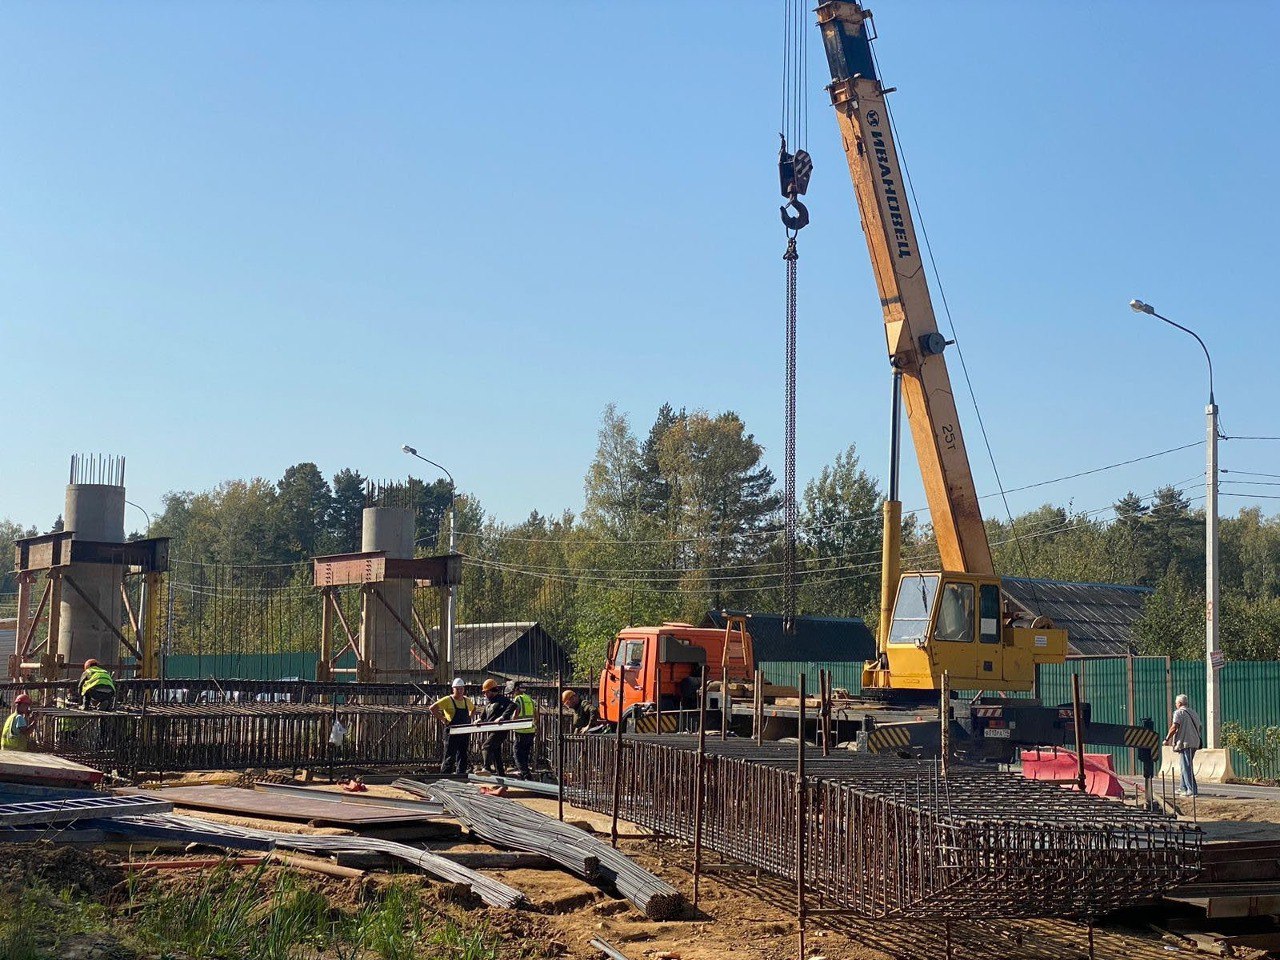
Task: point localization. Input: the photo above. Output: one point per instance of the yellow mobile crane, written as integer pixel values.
(952, 627)
(954, 621)
(948, 629)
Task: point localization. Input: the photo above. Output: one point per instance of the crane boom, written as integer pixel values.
(915, 344)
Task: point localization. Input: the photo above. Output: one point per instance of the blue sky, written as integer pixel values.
(237, 236)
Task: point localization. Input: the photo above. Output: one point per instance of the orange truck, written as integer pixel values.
(661, 668)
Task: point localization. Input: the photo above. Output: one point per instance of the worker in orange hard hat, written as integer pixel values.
(583, 715)
(497, 708)
(16, 733)
(97, 687)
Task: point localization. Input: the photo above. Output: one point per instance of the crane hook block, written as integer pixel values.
(794, 171)
(795, 221)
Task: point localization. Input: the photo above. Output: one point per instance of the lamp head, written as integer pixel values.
(1137, 306)
(409, 450)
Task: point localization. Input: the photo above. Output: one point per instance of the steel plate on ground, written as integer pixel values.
(280, 807)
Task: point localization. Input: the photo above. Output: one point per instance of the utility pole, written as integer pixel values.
(1213, 658)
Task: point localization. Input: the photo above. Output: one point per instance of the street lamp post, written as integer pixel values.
(450, 605)
(1213, 657)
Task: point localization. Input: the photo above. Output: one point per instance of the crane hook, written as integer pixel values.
(798, 220)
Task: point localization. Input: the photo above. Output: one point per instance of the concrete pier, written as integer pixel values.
(385, 641)
(94, 511)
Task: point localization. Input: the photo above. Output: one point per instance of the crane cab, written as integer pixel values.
(963, 625)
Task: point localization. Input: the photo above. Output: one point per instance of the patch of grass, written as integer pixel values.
(36, 919)
(454, 943)
(396, 928)
(232, 915)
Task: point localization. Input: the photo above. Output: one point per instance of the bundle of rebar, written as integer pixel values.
(507, 823)
(491, 891)
(882, 836)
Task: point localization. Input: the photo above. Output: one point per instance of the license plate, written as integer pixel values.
(997, 733)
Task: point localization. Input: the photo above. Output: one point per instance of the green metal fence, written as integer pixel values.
(1120, 690)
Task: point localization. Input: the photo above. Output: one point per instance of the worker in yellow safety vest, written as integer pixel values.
(455, 710)
(526, 709)
(97, 687)
(16, 734)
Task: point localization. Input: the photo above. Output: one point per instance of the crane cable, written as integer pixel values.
(794, 170)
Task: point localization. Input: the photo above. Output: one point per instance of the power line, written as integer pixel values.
(811, 527)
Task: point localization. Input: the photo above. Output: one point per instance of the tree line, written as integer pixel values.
(685, 516)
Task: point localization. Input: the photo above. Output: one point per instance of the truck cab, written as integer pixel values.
(652, 668)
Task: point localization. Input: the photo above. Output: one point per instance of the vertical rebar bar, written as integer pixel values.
(560, 745)
(699, 790)
(617, 769)
(758, 707)
(800, 796)
(724, 702)
(944, 721)
(1077, 724)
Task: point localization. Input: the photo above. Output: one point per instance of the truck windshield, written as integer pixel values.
(911, 612)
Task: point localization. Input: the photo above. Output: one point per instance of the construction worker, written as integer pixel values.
(498, 707)
(455, 710)
(16, 734)
(584, 716)
(97, 687)
(526, 709)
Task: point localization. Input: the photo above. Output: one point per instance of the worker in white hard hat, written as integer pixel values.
(455, 710)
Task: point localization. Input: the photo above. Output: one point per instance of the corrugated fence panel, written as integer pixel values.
(258, 666)
(847, 676)
(1251, 697)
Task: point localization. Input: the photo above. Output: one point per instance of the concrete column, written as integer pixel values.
(94, 511)
(382, 638)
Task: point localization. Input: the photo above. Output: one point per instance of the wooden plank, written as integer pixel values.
(1237, 871)
(1216, 908)
(20, 766)
(276, 806)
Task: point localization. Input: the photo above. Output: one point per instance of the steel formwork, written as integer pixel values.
(885, 837)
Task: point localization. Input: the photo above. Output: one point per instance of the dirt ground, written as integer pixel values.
(742, 915)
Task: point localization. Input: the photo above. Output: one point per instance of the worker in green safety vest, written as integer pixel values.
(16, 734)
(526, 709)
(97, 687)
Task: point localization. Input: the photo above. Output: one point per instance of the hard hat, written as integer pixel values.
(90, 663)
(458, 683)
(490, 684)
(510, 688)
(21, 699)
(567, 696)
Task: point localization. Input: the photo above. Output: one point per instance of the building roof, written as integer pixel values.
(1098, 617)
(816, 639)
(476, 647)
